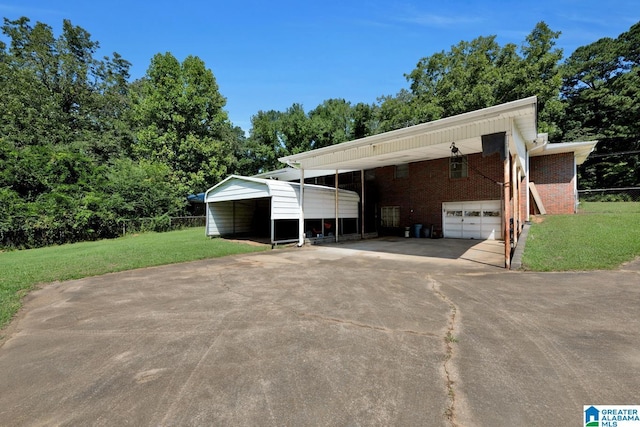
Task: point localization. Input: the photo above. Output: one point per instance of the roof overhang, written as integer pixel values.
(425, 141)
(293, 174)
(581, 150)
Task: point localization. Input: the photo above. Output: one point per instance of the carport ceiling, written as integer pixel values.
(426, 141)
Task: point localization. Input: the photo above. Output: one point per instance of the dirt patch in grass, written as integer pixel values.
(537, 219)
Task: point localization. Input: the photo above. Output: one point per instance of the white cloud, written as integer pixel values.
(434, 20)
(27, 11)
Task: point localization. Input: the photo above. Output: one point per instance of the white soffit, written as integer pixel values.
(425, 141)
(581, 150)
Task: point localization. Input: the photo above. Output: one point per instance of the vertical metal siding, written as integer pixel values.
(244, 213)
(348, 207)
(285, 202)
(320, 204)
(225, 218)
(220, 218)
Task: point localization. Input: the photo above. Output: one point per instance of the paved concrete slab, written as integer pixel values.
(534, 348)
(331, 335)
(466, 253)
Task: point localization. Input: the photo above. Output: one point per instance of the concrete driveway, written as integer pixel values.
(351, 335)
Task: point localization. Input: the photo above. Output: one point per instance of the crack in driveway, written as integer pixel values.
(449, 339)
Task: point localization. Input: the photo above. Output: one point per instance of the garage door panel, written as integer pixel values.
(472, 220)
(472, 231)
(495, 222)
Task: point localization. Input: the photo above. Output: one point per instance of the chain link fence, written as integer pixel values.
(161, 223)
(626, 194)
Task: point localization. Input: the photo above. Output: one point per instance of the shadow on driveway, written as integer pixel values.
(485, 252)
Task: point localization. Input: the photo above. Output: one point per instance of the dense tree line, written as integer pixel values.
(83, 148)
(601, 94)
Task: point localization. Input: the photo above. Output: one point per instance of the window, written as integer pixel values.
(390, 216)
(401, 171)
(458, 167)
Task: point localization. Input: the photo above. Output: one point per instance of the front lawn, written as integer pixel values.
(20, 271)
(603, 235)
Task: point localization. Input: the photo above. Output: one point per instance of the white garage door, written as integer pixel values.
(472, 220)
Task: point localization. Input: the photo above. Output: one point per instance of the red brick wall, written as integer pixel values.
(554, 179)
(428, 185)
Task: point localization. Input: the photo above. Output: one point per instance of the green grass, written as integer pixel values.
(20, 271)
(603, 235)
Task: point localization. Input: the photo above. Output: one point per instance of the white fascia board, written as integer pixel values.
(499, 111)
(293, 174)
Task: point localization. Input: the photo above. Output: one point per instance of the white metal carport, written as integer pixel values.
(244, 205)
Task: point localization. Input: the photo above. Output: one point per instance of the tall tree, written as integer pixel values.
(264, 145)
(55, 86)
(181, 122)
(477, 74)
(403, 110)
(364, 120)
(460, 80)
(601, 89)
(331, 123)
(295, 130)
(540, 75)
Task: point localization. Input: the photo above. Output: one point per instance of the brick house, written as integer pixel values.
(478, 175)
(475, 175)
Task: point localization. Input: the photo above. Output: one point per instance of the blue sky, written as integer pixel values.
(269, 55)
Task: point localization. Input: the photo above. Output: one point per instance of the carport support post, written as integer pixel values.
(362, 203)
(273, 232)
(337, 207)
(301, 220)
(507, 209)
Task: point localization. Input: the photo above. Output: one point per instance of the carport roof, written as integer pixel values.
(271, 187)
(425, 141)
